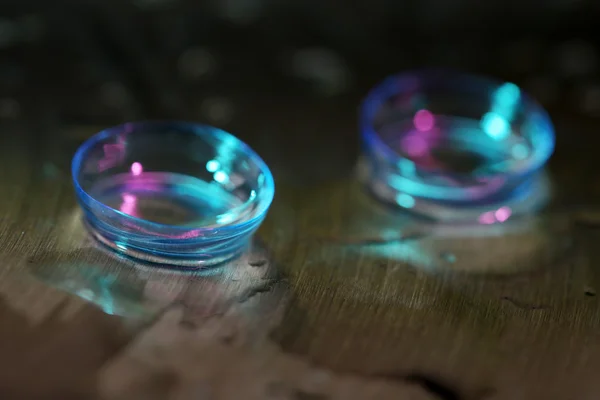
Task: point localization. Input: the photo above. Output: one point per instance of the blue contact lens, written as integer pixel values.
(173, 193)
(454, 146)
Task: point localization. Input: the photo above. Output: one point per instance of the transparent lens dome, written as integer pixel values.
(441, 143)
(172, 193)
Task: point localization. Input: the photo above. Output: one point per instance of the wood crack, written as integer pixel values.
(267, 287)
(525, 305)
(431, 385)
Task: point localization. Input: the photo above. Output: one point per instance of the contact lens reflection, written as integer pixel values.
(125, 287)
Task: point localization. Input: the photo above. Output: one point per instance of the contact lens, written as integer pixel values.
(450, 146)
(174, 193)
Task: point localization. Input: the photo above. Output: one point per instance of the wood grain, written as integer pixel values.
(332, 301)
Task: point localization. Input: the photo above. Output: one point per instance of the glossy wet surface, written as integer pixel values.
(346, 298)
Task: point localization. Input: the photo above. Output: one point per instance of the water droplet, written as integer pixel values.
(515, 246)
(448, 257)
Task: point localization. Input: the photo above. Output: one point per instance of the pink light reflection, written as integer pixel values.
(113, 155)
(414, 145)
(129, 205)
(105, 164)
(187, 235)
(487, 218)
(136, 169)
(503, 213)
(423, 120)
(113, 150)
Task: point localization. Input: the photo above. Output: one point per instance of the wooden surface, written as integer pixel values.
(330, 303)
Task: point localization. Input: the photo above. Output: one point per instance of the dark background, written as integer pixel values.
(108, 61)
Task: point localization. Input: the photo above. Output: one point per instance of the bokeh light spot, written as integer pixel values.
(487, 218)
(405, 200)
(213, 166)
(423, 120)
(221, 177)
(503, 213)
(495, 126)
(520, 151)
(136, 169)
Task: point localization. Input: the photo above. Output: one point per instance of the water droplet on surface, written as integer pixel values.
(448, 257)
(513, 247)
(524, 244)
